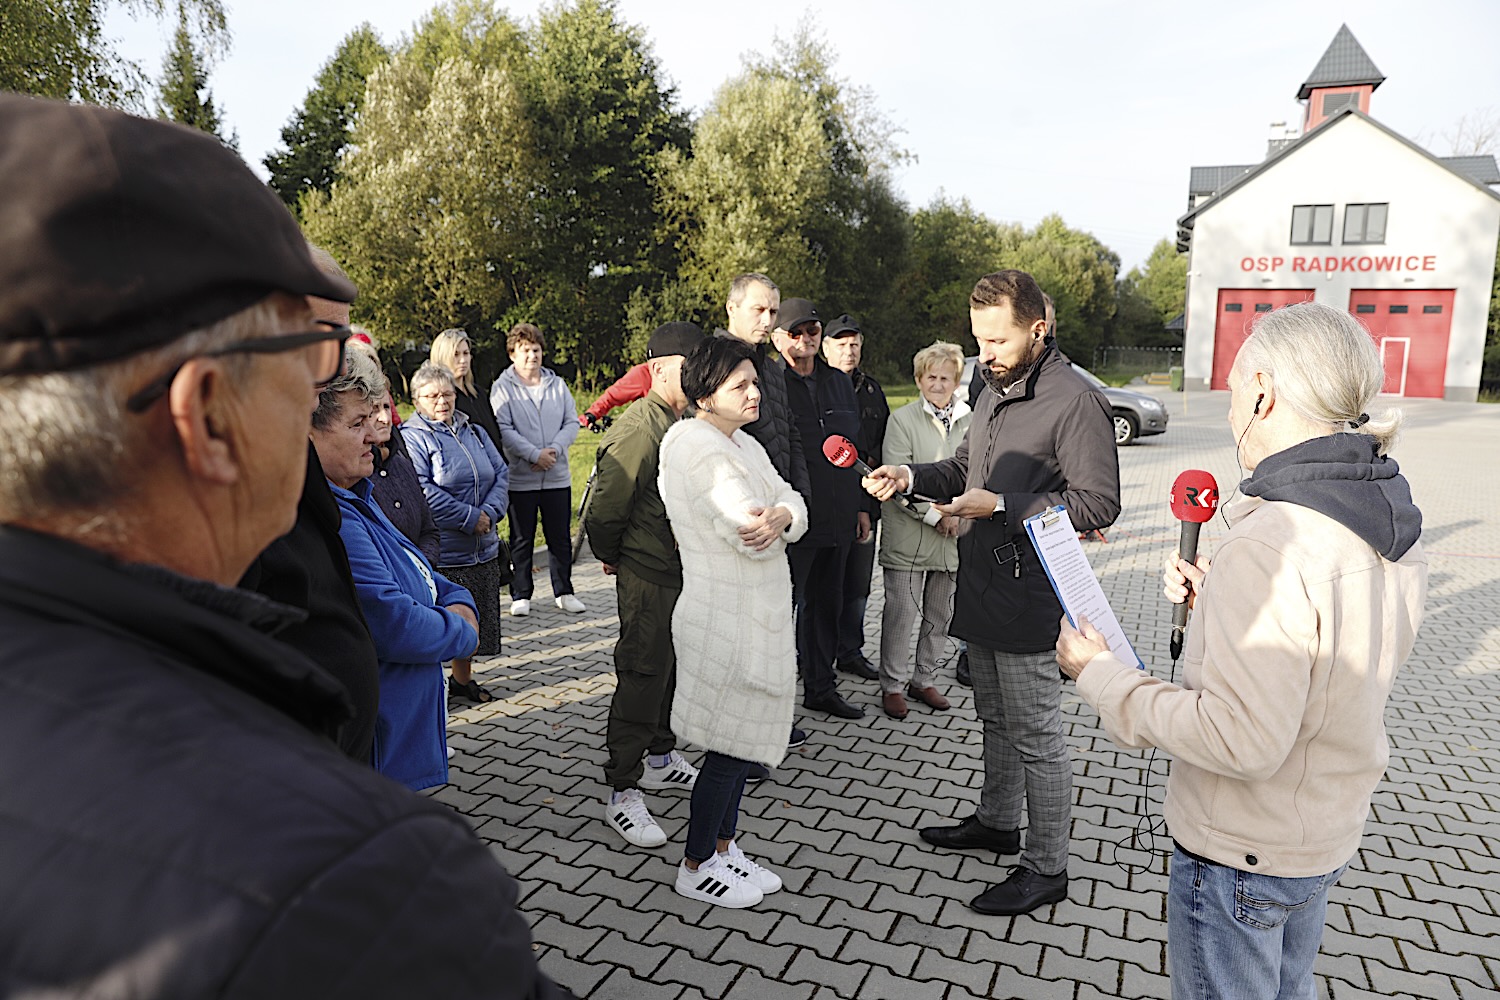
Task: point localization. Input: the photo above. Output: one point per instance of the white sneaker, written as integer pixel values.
(677, 774)
(632, 820)
(763, 879)
(568, 602)
(717, 883)
(520, 608)
(450, 753)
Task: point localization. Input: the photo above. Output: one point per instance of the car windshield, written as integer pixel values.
(1089, 377)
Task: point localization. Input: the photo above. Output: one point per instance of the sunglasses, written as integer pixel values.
(325, 352)
(816, 330)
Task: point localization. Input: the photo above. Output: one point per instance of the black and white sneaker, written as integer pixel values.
(632, 820)
(677, 774)
(717, 883)
(797, 739)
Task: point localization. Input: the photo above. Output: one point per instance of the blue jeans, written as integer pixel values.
(1235, 935)
(715, 807)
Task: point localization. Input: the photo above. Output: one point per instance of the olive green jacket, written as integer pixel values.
(626, 520)
(913, 435)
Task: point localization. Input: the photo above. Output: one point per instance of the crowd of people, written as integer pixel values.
(208, 509)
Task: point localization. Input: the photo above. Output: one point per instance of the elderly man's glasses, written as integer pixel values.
(433, 397)
(812, 330)
(325, 352)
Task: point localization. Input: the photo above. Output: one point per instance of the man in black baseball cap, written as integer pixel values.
(625, 521)
(178, 820)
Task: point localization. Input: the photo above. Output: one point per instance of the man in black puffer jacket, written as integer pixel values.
(176, 820)
(753, 305)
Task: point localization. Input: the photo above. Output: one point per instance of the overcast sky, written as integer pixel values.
(1093, 110)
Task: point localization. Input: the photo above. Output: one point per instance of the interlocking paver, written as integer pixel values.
(1417, 914)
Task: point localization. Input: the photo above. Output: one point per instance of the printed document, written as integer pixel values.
(1056, 542)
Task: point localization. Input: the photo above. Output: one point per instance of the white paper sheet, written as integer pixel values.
(1073, 579)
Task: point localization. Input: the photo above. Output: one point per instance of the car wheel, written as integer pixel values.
(1127, 428)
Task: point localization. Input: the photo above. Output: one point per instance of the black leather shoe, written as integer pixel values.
(859, 667)
(964, 677)
(756, 773)
(834, 705)
(1024, 891)
(972, 835)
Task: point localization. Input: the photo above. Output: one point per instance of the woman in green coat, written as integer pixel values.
(918, 546)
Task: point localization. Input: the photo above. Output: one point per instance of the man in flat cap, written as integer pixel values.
(628, 530)
(177, 820)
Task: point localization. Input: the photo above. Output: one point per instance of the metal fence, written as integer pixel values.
(1136, 360)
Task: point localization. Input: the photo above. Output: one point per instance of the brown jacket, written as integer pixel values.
(1278, 731)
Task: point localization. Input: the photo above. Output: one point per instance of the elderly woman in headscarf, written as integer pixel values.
(417, 618)
(464, 479)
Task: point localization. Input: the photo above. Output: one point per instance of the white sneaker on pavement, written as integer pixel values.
(568, 602)
(677, 774)
(520, 608)
(632, 820)
(717, 883)
(763, 879)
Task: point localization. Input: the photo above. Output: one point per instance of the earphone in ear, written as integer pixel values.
(1258, 400)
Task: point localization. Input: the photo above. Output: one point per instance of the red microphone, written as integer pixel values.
(1195, 497)
(840, 451)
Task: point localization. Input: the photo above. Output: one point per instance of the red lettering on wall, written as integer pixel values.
(1299, 263)
(1387, 263)
(1276, 263)
(1411, 263)
(1429, 263)
(1365, 263)
(1346, 263)
(1247, 263)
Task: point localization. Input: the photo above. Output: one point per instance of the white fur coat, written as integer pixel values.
(733, 627)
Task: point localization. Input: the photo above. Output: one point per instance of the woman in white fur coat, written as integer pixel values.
(733, 628)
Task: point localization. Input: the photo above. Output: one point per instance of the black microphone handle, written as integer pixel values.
(864, 470)
(1188, 549)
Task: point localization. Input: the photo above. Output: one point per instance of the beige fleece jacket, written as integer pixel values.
(1278, 730)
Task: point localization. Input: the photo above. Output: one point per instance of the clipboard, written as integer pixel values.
(1056, 542)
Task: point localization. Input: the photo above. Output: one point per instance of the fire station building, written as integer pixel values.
(1355, 216)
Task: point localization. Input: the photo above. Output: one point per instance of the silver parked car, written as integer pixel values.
(1137, 414)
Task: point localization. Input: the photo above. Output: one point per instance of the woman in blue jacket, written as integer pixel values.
(538, 422)
(417, 618)
(465, 480)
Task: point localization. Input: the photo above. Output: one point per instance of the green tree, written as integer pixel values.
(1163, 282)
(952, 246)
(184, 95)
(433, 205)
(1490, 372)
(736, 203)
(600, 120)
(318, 133)
(57, 48)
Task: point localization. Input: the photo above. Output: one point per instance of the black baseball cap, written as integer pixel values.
(119, 234)
(795, 312)
(844, 326)
(674, 338)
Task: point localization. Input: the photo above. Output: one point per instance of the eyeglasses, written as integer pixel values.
(326, 359)
(433, 397)
(815, 330)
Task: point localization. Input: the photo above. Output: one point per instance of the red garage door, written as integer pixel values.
(1238, 309)
(1410, 327)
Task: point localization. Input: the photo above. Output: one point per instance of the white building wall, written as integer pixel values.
(1443, 221)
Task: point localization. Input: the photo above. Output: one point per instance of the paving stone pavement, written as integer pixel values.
(871, 912)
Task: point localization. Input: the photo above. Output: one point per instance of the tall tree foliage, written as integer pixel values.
(319, 131)
(184, 96)
(600, 120)
(57, 48)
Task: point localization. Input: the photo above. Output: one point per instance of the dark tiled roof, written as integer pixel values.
(1475, 168)
(1207, 180)
(1344, 64)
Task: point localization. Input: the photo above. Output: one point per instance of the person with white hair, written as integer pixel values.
(1301, 622)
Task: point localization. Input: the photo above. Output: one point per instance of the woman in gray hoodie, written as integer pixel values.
(538, 421)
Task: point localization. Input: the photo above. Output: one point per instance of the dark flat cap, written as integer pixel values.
(674, 338)
(795, 312)
(844, 326)
(119, 234)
